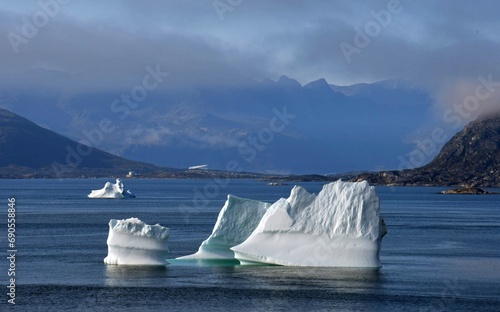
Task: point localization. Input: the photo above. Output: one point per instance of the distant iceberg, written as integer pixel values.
(112, 191)
(339, 227)
(133, 242)
(237, 219)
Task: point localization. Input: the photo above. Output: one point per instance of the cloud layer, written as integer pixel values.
(95, 46)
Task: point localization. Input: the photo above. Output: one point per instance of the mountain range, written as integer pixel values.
(471, 158)
(265, 126)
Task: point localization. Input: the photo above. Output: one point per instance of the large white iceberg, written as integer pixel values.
(339, 227)
(112, 191)
(133, 242)
(237, 219)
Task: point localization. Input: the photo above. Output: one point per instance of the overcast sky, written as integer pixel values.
(108, 44)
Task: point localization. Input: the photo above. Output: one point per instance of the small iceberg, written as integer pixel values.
(133, 242)
(237, 219)
(112, 191)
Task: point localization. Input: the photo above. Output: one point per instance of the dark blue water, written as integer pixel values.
(442, 253)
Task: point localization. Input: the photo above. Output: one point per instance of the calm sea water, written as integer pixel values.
(442, 253)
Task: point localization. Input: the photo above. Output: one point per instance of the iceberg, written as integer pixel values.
(237, 219)
(112, 191)
(133, 242)
(339, 227)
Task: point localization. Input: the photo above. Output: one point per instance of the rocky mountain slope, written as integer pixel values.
(471, 158)
(28, 150)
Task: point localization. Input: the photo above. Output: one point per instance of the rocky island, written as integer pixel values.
(466, 191)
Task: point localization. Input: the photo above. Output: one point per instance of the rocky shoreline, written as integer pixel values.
(467, 191)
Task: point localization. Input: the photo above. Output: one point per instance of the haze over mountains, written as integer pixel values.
(268, 126)
(184, 84)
